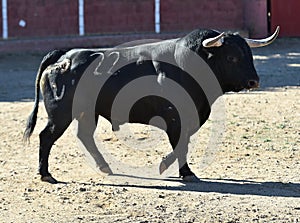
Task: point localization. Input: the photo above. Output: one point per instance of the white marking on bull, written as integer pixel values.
(106, 65)
(161, 75)
(209, 55)
(64, 65)
(116, 60)
(58, 69)
(54, 90)
(97, 70)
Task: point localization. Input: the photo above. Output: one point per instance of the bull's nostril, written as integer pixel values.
(253, 84)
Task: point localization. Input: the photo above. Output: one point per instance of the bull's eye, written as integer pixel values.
(232, 59)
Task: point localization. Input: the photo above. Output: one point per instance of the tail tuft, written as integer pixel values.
(31, 121)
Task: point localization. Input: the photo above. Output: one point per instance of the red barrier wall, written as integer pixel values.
(43, 18)
(255, 18)
(286, 14)
(60, 17)
(190, 14)
(119, 16)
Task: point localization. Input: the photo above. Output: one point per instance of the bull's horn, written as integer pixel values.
(213, 42)
(263, 42)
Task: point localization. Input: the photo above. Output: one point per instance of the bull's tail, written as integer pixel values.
(49, 59)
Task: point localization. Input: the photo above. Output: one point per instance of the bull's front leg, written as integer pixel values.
(179, 142)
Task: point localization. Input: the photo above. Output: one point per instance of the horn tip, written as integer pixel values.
(276, 33)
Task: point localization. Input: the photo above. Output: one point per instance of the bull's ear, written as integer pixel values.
(214, 41)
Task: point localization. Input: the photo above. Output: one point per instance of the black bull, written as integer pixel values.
(84, 83)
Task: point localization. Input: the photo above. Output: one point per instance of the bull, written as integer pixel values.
(62, 72)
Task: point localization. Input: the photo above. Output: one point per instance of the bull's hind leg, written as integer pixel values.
(48, 136)
(85, 132)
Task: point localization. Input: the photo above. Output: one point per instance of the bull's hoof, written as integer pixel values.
(49, 179)
(191, 179)
(106, 170)
(162, 167)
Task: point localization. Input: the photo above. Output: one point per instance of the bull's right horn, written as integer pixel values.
(263, 42)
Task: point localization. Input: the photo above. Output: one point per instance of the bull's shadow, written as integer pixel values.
(223, 186)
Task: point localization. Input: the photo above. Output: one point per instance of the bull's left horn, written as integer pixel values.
(263, 42)
(213, 42)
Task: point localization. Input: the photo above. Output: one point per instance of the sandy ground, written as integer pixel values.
(251, 175)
